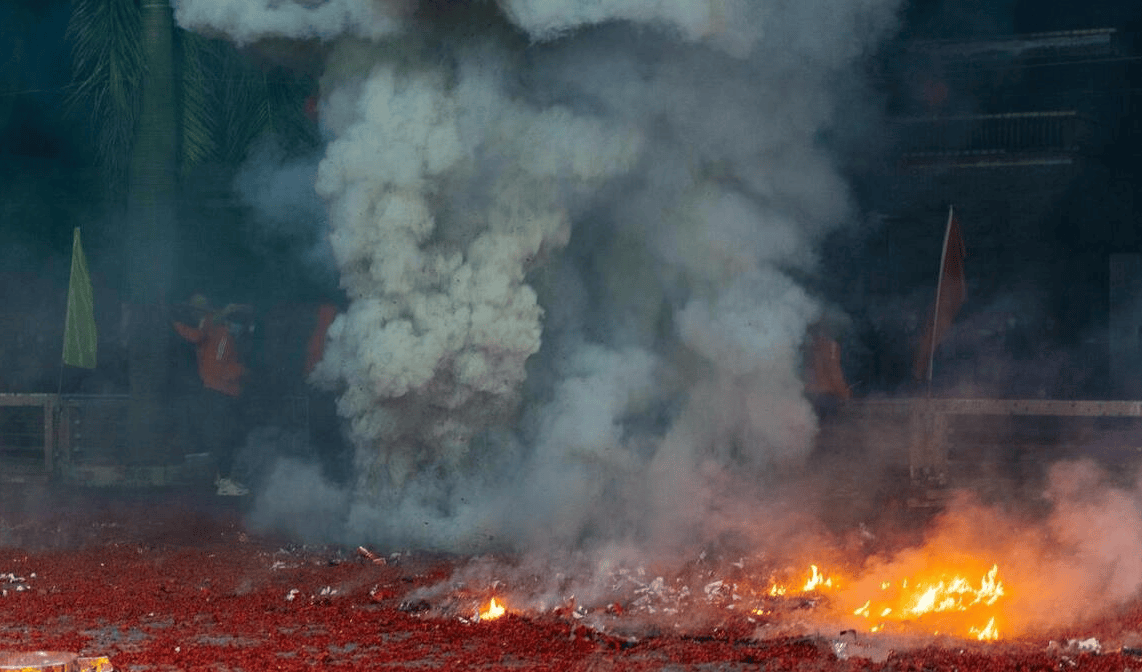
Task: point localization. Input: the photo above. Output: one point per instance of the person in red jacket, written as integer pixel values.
(215, 350)
(222, 374)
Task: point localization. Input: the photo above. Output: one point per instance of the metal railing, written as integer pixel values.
(946, 439)
(1000, 138)
(44, 435)
(27, 436)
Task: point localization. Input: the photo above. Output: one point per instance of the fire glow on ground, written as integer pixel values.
(192, 588)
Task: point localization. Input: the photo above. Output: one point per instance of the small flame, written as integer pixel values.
(815, 582)
(988, 633)
(494, 611)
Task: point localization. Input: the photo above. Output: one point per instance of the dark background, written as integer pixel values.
(1048, 205)
(1026, 118)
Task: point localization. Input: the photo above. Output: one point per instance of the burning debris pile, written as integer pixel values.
(944, 597)
(938, 616)
(1027, 579)
(634, 602)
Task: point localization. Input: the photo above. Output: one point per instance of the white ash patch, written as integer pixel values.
(12, 583)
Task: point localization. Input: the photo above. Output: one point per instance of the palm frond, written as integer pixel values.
(226, 101)
(244, 107)
(198, 101)
(229, 102)
(107, 70)
(290, 123)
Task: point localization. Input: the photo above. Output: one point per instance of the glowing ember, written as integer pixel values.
(494, 611)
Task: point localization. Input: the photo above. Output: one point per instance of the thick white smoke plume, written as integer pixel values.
(569, 231)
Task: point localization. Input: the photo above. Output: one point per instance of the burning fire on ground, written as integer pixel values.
(955, 597)
(942, 600)
(493, 611)
(948, 583)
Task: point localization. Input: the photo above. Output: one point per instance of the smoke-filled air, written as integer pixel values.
(572, 235)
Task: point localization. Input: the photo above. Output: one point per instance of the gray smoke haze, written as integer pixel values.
(279, 190)
(569, 232)
(245, 21)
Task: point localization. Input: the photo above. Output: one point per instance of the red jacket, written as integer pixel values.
(218, 364)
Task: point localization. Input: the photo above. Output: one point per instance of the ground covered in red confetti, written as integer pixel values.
(172, 583)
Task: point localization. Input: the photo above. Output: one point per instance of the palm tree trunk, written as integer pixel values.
(151, 223)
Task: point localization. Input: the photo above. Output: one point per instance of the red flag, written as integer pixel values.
(315, 349)
(825, 376)
(951, 292)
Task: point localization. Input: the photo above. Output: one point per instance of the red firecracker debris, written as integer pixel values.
(179, 585)
(370, 556)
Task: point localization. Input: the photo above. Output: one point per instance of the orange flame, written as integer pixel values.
(494, 611)
(948, 599)
(944, 599)
(816, 582)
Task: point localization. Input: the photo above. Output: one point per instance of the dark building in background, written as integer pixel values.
(1034, 139)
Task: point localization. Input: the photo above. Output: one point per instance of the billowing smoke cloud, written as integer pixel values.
(569, 232)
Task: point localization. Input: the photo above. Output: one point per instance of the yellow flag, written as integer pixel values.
(79, 335)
